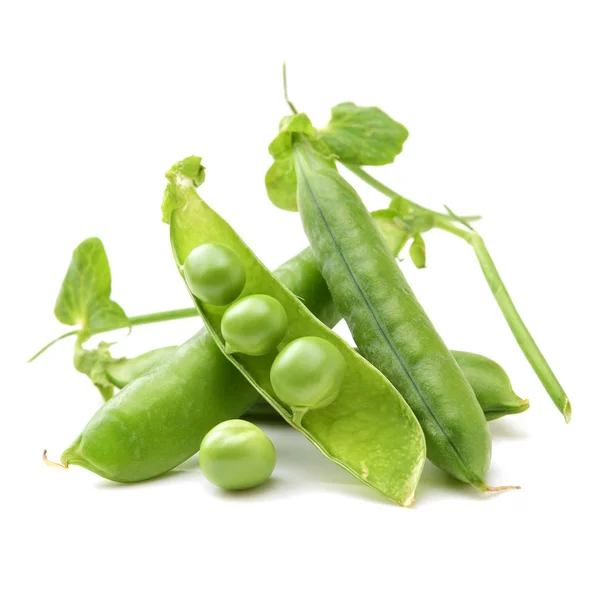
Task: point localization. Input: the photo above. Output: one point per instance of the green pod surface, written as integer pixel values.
(159, 419)
(387, 322)
(368, 429)
(124, 370)
(488, 379)
(491, 385)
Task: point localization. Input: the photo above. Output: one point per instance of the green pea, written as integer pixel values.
(236, 455)
(308, 373)
(215, 274)
(254, 325)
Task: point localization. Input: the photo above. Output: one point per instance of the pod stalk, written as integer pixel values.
(51, 463)
(501, 488)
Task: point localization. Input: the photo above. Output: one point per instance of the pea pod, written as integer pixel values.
(368, 429)
(159, 419)
(388, 325)
(488, 379)
(124, 370)
(491, 385)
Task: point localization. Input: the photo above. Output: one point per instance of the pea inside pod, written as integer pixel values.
(254, 325)
(214, 273)
(308, 374)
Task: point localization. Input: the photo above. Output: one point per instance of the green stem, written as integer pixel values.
(517, 326)
(285, 91)
(167, 315)
(515, 322)
(386, 191)
(50, 344)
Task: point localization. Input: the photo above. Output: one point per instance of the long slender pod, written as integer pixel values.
(388, 324)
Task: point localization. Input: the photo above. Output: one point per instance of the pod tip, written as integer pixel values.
(567, 410)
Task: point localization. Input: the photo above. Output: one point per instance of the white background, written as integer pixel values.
(502, 103)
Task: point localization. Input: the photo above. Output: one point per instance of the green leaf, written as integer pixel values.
(400, 204)
(84, 296)
(421, 223)
(363, 135)
(94, 364)
(417, 251)
(281, 177)
(281, 184)
(281, 146)
(393, 228)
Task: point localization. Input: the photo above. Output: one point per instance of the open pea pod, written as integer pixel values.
(369, 430)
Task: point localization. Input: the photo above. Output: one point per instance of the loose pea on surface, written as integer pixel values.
(214, 273)
(236, 455)
(308, 373)
(254, 325)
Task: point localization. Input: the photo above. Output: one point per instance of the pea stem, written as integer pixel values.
(501, 488)
(167, 315)
(515, 322)
(386, 191)
(157, 317)
(285, 91)
(51, 463)
(50, 344)
(297, 414)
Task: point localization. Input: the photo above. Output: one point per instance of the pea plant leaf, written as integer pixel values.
(395, 231)
(417, 251)
(84, 296)
(94, 364)
(281, 146)
(361, 135)
(400, 205)
(281, 184)
(280, 179)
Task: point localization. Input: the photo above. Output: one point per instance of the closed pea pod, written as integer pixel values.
(123, 371)
(491, 385)
(388, 324)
